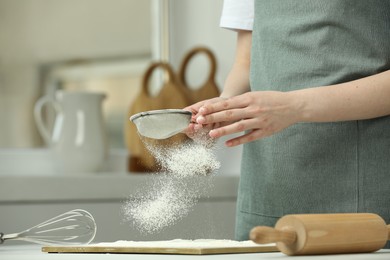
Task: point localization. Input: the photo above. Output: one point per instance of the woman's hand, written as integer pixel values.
(260, 113)
(237, 82)
(194, 129)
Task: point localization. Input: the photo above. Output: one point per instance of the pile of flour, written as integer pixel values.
(187, 170)
(182, 243)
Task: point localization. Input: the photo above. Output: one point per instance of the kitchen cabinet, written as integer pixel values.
(28, 200)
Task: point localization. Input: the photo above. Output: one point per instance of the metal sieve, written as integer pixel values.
(161, 124)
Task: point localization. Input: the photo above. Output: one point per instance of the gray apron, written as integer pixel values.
(316, 167)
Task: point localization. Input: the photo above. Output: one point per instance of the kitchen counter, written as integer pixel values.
(33, 252)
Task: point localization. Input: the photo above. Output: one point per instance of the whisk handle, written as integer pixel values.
(8, 236)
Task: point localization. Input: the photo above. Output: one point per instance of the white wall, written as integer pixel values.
(197, 23)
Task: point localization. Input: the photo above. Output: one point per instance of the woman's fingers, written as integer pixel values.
(190, 130)
(260, 114)
(237, 127)
(230, 115)
(194, 109)
(222, 116)
(235, 102)
(227, 110)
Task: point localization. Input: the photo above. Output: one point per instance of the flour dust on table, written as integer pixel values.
(186, 175)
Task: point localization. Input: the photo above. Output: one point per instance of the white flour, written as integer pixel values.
(164, 204)
(181, 243)
(190, 159)
(171, 196)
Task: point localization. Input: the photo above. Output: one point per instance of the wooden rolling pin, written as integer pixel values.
(310, 234)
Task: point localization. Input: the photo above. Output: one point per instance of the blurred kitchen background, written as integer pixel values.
(100, 45)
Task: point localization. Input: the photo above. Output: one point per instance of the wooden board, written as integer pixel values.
(96, 248)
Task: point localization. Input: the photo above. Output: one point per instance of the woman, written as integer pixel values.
(310, 86)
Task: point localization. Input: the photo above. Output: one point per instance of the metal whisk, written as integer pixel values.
(70, 228)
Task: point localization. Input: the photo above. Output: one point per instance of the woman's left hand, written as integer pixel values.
(260, 113)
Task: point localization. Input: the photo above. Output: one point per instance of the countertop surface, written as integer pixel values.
(33, 252)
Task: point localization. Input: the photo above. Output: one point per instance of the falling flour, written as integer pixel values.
(187, 170)
(164, 205)
(188, 160)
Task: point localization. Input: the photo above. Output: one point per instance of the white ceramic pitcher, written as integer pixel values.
(78, 138)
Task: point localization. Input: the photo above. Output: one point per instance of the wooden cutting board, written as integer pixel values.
(168, 249)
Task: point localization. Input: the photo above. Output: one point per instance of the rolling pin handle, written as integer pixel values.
(266, 235)
(388, 232)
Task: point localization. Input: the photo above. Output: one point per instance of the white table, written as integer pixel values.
(33, 252)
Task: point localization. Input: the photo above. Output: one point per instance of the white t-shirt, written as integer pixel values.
(237, 14)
